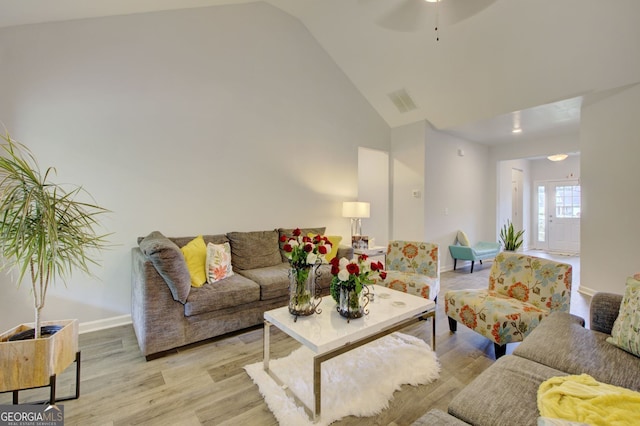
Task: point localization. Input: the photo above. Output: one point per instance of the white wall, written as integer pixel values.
(373, 187)
(407, 170)
(545, 170)
(452, 189)
(610, 149)
(456, 189)
(209, 120)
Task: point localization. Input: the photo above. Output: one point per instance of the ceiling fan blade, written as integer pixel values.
(454, 11)
(414, 15)
(398, 15)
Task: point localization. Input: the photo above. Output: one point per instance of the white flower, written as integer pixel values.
(343, 275)
(312, 258)
(293, 243)
(343, 262)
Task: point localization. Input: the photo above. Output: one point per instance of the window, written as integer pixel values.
(541, 214)
(568, 201)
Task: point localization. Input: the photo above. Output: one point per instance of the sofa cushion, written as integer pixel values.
(484, 249)
(436, 417)
(503, 394)
(229, 292)
(625, 333)
(498, 318)
(195, 254)
(416, 284)
(251, 250)
(560, 341)
(273, 280)
(288, 232)
(169, 261)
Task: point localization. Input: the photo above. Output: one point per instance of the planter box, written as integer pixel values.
(30, 363)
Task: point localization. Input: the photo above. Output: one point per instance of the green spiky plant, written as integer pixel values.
(45, 231)
(511, 240)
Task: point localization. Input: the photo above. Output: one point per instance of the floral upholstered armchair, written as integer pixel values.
(522, 291)
(413, 267)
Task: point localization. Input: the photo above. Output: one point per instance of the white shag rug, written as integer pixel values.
(360, 382)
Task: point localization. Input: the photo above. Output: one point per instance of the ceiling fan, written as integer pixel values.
(414, 15)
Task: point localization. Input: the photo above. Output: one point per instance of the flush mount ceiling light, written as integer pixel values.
(557, 157)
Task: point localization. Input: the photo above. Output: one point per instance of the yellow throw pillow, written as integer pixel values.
(195, 253)
(335, 242)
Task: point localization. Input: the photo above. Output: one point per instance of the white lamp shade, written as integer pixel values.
(355, 209)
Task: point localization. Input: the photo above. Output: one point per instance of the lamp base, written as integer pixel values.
(356, 227)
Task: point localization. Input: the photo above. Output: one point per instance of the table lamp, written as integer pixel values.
(355, 210)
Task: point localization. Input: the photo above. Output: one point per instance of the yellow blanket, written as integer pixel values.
(583, 399)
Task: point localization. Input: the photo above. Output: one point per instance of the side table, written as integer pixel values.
(378, 253)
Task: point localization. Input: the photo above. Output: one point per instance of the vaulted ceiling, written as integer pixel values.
(496, 61)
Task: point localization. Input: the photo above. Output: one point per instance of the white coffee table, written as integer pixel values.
(328, 334)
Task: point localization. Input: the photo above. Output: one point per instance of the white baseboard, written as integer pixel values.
(587, 291)
(87, 327)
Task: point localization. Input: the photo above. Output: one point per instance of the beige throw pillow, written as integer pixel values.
(463, 239)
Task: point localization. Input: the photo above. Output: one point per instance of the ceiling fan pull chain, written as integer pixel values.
(437, 10)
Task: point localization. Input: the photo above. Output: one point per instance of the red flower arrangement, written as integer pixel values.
(354, 274)
(302, 250)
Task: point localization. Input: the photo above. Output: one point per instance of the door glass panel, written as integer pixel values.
(568, 201)
(541, 214)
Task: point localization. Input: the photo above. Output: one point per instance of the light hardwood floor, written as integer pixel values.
(205, 384)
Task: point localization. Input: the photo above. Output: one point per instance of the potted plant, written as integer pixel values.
(45, 232)
(509, 238)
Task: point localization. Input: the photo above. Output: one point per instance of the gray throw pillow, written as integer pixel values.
(252, 250)
(169, 261)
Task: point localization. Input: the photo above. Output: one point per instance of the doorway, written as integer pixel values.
(558, 216)
(517, 200)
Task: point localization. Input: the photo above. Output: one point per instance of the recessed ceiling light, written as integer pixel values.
(516, 130)
(432, 1)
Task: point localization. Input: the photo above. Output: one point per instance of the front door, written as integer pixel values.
(563, 229)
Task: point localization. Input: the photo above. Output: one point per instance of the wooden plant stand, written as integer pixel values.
(36, 363)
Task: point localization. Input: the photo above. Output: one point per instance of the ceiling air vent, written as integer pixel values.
(402, 100)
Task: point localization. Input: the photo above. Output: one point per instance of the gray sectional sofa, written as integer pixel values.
(506, 393)
(168, 313)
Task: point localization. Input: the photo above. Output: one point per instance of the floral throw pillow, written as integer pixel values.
(218, 262)
(626, 329)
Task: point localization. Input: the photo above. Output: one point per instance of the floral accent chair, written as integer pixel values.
(522, 291)
(413, 267)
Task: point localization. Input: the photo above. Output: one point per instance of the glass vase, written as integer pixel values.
(303, 298)
(353, 304)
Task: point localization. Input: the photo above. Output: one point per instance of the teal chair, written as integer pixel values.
(464, 251)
